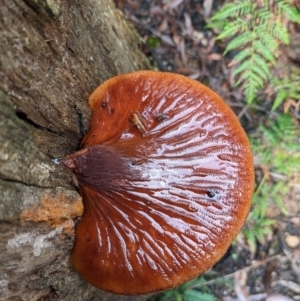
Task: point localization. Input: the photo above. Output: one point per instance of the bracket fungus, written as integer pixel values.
(166, 176)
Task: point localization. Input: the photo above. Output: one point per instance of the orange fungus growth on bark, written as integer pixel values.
(166, 175)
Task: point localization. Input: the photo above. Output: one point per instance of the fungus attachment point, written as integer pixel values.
(166, 176)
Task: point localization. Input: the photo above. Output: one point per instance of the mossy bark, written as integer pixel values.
(53, 55)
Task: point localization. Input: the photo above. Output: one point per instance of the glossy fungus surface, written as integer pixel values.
(166, 176)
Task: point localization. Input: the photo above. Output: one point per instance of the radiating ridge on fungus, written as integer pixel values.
(166, 176)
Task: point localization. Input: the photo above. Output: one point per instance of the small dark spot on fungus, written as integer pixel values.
(211, 193)
(161, 117)
(131, 159)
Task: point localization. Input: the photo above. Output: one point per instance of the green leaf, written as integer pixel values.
(239, 25)
(264, 51)
(257, 29)
(288, 87)
(243, 54)
(280, 98)
(170, 295)
(279, 202)
(251, 240)
(242, 67)
(252, 86)
(259, 72)
(288, 11)
(219, 24)
(280, 32)
(265, 15)
(153, 42)
(236, 8)
(266, 223)
(266, 38)
(239, 41)
(262, 65)
(193, 295)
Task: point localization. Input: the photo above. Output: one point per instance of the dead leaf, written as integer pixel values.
(207, 5)
(188, 24)
(240, 285)
(182, 51)
(295, 220)
(164, 25)
(214, 56)
(292, 241)
(291, 103)
(294, 257)
(156, 11)
(232, 63)
(198, 36)
(278, 297)
(293, 286)
(133, 4)
(167, 39)
(173, 4)
(190, 72)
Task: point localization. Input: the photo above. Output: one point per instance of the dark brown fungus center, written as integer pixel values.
(166, 175)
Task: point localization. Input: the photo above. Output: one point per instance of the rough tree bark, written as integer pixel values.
(53, 54)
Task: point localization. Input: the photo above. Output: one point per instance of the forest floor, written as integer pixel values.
(176, 39)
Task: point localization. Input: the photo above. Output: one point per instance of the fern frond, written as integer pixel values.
(256, 29)
(193, 295)
(243, 54)
(257, 66)
(285, 122)
(264, 51)
(295, 93)
(273, 149)
(295, 74)
(253, 85)
(241, 68)
(288, 11)
(266, 38)
(270, 135)
(280, 98)
(263, 229)
(265, 15)
(264, 69)
(250, 238)
(171, 295)
(239, 25)
(197, 282)
(236, 8)
(239, 41)
(256, 69)
(219, 24)
(288, 87)
(280, 32)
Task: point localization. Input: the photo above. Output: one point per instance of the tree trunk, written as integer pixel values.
(53, 54)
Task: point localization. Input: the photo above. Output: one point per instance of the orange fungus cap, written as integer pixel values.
(166, 175)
